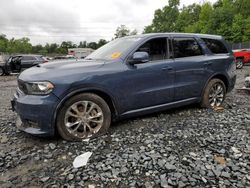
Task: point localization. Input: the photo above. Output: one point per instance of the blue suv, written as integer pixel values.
(130, 76)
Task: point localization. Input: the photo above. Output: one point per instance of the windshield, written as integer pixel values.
(113, 49)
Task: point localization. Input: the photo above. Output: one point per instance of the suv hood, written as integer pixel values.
(67, 71)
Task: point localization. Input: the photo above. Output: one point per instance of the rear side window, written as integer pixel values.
(215, 46)
(186, 47)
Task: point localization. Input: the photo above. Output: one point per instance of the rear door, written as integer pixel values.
(190, 67)
(221, 56)
(28, 61)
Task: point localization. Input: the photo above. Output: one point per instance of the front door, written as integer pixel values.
(150, 84)
(14, 64)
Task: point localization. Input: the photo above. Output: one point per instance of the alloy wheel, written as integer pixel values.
(83, 119)
(239, 64)
(216, 95)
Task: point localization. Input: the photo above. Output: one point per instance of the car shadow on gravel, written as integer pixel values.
(38, 139)
(169, 112)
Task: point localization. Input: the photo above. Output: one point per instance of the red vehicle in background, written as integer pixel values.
(242, 57)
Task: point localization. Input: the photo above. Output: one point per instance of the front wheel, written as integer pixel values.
(83, 116)
(239, 64)
(214, 94)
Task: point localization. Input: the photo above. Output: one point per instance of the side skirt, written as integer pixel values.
(157, 108)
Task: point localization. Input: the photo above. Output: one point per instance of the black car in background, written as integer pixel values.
(17, 63)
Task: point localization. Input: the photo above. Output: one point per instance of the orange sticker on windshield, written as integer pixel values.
(116, 55)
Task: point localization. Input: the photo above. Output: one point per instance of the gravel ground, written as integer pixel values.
(184, 147)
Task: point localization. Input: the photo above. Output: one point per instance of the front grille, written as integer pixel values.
(22, 86)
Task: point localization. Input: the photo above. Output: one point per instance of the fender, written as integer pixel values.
(73, 92)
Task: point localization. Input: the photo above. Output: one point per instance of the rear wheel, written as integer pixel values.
(1, 71)
(239, 63)
(214, 94)
(83, 116)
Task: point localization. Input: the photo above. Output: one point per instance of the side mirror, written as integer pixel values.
(139, 57)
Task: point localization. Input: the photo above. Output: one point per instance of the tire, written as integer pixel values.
(80, 113)
(239, 63)
(1, 71)
(214, 94)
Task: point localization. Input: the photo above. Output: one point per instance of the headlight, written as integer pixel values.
(39, 88)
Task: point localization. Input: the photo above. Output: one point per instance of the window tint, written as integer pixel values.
(28, 58)
(186, 47)
(156, 48)
(215, 46)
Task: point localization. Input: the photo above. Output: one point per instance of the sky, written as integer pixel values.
(47, 21)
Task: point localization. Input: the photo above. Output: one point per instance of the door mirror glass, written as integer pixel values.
(139, 57)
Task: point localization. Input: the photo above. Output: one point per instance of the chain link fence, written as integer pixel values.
(241, 45)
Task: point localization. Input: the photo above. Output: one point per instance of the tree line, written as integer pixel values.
(229, 18)
(23, 45)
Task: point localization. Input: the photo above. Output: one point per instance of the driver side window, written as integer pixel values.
(156, 48)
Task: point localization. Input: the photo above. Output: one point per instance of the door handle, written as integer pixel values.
(168, 68)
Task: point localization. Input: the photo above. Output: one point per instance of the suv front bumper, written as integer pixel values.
(35, 113)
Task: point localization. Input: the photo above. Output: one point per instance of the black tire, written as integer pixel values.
(106, 116)
(239, 63)
(1, 71)
(206, 99)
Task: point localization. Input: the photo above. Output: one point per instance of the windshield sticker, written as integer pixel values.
(116, 55)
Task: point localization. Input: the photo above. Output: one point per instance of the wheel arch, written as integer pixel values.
(222, 77)
(103, 94)
(240, 57)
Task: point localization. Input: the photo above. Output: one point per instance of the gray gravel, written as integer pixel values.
(184, 147)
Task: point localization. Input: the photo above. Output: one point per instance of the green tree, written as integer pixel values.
(165, 18)
(229, 18)
(188, 16)
(51, 48)
(37, 48)
(203, 25)
(19, 46)
(240, 29)
(122, 31)
(82, 44)
(92, 45)
(3, 43)
(101, 42)
(242, 7)
(67, 45)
